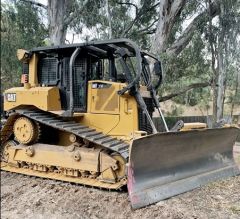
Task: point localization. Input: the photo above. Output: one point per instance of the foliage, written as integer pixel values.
(189, 67)
(129, 20)
(137, 20)
(20, 28)
(175, 111)
(194, 63)
(223, 37)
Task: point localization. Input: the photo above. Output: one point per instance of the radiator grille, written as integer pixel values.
(144, 125)
(25, 68)
(66, 73)
(79, 84)
(47, 71)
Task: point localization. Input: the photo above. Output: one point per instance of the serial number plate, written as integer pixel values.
(11, 97)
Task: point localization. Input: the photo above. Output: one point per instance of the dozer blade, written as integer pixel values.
(166, 164)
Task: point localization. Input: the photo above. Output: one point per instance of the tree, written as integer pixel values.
(21, 27)
(222, 38)
(181, 32)
(118, 19)
(60, 14)
(112, 15)
(56, 10)
(169, 13)
(186, 72)
(172, 42)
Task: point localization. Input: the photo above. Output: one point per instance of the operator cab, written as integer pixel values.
(70, 67)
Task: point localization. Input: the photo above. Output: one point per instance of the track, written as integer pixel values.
(82, 131)
(56, 176)
(7, 129)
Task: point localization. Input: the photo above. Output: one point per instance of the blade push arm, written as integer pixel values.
(133, 88)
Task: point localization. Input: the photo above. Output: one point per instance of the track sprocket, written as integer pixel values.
(26, 131)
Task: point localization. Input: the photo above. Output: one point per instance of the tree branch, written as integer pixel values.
(168, 12)
(189, 87)
(188, 33)
(148, 27)
(35, 3)
(73, 14)
(128, 3)
(139, 14)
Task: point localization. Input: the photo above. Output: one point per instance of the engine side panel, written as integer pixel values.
(44, 98)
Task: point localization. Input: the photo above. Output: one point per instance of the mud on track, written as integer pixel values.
(30, 197)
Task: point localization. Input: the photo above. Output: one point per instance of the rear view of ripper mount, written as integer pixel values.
(84, 115)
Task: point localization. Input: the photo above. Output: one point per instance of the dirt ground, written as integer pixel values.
(31, 197)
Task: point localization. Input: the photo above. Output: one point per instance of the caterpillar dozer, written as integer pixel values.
(84, 115)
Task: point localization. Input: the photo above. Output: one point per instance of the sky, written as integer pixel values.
(42, 1)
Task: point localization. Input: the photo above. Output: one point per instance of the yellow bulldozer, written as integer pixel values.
(84, 115)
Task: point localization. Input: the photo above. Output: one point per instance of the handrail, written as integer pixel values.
(71, 63)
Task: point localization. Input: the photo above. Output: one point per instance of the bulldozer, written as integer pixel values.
(84, 114)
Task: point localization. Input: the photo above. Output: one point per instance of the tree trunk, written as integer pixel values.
(235, 93)
(221, 86)
(219, 73)
(109, 20)
(182, 41)
(184, 90)
(56, 15)
(168, 11)
(214, 89)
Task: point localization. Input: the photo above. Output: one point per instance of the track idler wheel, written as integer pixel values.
(26, 131)
(121, 171)
(5, 151)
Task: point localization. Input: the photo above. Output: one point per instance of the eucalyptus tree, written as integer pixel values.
(21, 27)
(223, 37)
(173, 43)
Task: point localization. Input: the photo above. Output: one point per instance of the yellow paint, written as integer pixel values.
(72, 161)
(107, 112)
(33, 80)
(44, 98)
(52, 175)
(24, 130)
(193, 125)
(23, 55)
(52, 155)
(103, 100)
(121, 121)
